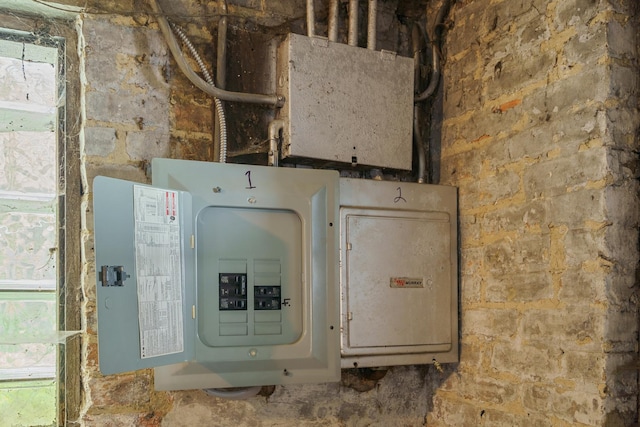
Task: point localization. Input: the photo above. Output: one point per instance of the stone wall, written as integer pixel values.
(540, 135)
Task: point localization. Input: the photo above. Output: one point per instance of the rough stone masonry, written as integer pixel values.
(540, 135)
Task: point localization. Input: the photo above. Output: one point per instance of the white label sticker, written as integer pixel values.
(159, 271)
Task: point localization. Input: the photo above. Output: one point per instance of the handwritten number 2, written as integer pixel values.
(251, 186)
(399, 197)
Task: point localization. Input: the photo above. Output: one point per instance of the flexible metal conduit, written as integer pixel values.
(222, 121)
(353, 23)
(372, 24)
(274, 100)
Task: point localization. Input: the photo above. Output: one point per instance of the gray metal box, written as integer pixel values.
(219, 275)
(399, 281)
(345, 104)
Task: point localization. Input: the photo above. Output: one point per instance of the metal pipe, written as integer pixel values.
(274, 135)
(221, 59)
(353, 23)
(420, 147)
(417, 132)
(372, 24)
(333, 21)
(220, 133)
(174, 47)
(311, 19)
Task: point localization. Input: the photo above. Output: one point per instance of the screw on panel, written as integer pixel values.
(217, 189)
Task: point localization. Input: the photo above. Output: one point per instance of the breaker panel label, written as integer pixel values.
(159, 271)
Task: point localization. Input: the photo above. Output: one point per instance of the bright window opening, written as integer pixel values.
(29, 231)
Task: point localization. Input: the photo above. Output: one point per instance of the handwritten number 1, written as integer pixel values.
(399, 197)
(251, 186)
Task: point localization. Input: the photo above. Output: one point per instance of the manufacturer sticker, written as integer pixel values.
(406, 282)
(158, 271)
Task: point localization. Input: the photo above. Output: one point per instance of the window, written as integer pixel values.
(37, 158)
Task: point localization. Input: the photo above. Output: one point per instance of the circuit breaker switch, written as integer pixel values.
(267, 298)
(232, 288)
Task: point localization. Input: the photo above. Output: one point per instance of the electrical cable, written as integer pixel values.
(424, 150)
(435, 75)
(170, 38)
(435, 52)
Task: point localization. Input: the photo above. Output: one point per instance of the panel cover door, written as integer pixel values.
(145, 293)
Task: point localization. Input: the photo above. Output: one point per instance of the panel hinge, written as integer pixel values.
(113, 275)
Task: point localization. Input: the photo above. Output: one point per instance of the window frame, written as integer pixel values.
(61, 34)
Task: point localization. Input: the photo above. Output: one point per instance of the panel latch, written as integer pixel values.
(113, 275)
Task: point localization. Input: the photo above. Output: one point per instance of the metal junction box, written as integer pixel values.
(211, 273)
(345, 104)
(399, 286)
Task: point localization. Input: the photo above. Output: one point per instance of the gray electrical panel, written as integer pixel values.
(345, 104)
(399, 281)
(211, 273)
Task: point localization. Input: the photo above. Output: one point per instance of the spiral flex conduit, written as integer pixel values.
(222, 121)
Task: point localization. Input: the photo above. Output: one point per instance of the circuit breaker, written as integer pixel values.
(219, 275)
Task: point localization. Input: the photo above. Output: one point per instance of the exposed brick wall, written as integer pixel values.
(126, 123)
(539, 135)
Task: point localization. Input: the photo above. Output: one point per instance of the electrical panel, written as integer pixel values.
(345, 104)
(399, 269)
(229, 275)
(210, 275)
